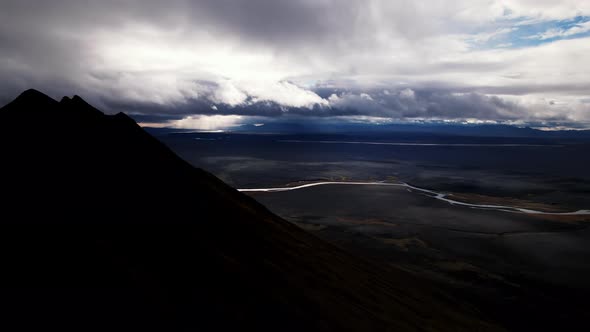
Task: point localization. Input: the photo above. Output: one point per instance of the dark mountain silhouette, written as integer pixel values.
(104, 228)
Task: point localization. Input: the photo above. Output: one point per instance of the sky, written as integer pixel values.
(215, 64)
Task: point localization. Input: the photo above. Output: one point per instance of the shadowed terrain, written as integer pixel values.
(104, 228)
(528, 271)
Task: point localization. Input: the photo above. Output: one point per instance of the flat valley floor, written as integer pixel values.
(529, 271)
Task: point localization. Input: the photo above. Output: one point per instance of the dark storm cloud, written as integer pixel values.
(395, 105)
(270, 22)
(278, 21)
(426, 104)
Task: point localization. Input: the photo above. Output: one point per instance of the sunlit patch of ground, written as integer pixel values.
(505, 201)
(310, 227)
(405, 243)
(369, 221)
(520, 203)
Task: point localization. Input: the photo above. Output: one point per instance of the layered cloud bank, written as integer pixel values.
(193, 63)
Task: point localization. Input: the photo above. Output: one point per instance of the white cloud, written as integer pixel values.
(366, 96)
(407, 94)
(227, 93)
(207, 122)
(283, 93)
(175, 53)
(247, 92)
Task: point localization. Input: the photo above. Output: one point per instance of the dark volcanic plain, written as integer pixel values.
(526, 271)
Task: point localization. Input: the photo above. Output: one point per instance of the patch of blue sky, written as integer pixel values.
(525, 32)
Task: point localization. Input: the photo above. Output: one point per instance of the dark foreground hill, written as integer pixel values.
(104, 228)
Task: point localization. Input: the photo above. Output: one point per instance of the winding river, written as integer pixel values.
(429, 193)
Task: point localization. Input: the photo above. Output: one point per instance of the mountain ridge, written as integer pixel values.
(106, 228)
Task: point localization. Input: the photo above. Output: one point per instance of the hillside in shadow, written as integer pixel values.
(104, 228)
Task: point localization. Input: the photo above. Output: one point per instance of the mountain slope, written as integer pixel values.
(104, 228)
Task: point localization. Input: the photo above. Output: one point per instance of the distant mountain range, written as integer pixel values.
(103, 228)
(472, 130)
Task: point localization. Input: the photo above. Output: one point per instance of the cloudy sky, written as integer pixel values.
(216, 63)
